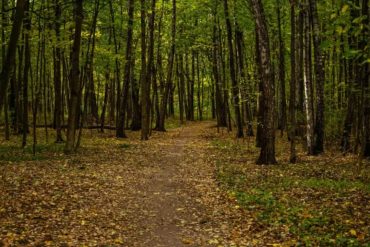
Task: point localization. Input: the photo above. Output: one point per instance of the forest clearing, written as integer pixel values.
(185, 123)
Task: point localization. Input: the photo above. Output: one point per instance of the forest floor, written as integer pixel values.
(189, 186)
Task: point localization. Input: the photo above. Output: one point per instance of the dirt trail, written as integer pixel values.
(168, 191)
(161, 192)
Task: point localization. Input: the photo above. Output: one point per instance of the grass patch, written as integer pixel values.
(13, 153)
(124, 146)
(335, 185)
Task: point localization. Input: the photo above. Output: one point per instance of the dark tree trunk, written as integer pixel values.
(240, 55)
(104, 108)
(365, 81)
(267, 155)
(282, 103)
(27, 63)
(4, 19)
(260, 90)
(145, 86)
(299, 64)
(115, 100)
(120, 128)
(219, 101)
(8, 63)
(163, 107)
(58, 76)
(234, 82)
(320, 79)
(180, 86)
(293, 83)
(199, 100)
(74, 84)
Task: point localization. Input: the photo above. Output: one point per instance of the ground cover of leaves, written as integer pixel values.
(320, 201)
(190, 186)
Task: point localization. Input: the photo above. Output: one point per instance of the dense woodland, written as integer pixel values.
(301, 67)
(156, 123)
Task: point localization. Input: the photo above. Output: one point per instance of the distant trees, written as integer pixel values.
(228, 60)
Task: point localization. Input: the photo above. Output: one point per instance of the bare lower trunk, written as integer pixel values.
(75, 87)
(267, 154)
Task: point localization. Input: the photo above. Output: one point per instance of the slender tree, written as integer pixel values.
(320, 79)
(293, 82)
(234, 83)
(267, 154)
(145, 93)
(120, 128)
(57, 75)
(75, 85)
(171, 56)
(8, 63)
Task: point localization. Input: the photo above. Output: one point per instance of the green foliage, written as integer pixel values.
(13, 153)
(124, 145)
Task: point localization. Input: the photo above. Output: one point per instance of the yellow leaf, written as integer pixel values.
(345, 8)
(213, 241)
(276, 245)
(187, 241)
(339, 29)
(353, 232)
(48, 243)
(118, 241)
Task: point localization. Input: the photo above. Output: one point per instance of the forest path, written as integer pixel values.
(121, 192)
(178, 191)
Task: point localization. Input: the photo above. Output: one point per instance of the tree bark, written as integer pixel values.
(293, 83)
(121, 120)
(162, 113)
(308, 89)
(320, 79)
(27, 60)
(58, 75)
(74, 84)
(8, 64)
(282, 103)
(234, 82)
(267, 154)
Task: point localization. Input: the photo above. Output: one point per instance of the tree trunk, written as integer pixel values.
(308, 89)
(145, 86)
(8, 64)
(180, 86)
(74, 84)
(320, 79)
(58, 76)
(162, 113)
(116, 83)
(219, 102)
(293, 83)
(120, 128)
(4, 19)
(282, 103)
(27, 63)
(234, 82)
(267, 155)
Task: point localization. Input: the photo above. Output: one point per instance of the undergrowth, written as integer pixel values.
(319, 201)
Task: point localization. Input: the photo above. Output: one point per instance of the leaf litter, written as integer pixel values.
(190, 186)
